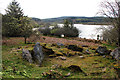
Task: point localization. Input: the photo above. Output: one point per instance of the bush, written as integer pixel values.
(45, 31)
(71, 32)
(110, 34)
(68, 32)
(57, 32)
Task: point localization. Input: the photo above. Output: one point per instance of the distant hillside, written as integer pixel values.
(36, 19)
(75, 19)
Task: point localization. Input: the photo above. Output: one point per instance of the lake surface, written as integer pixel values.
(88, 31)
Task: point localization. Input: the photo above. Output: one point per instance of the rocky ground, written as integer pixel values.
(64, 58)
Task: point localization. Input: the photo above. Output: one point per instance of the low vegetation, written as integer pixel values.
(65, 56)
(56, 65)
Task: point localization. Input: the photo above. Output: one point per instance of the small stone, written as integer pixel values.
(84, 45)
(56, 66)
(52, 56)
(68, 74)
(61, 57)
(103, 56)
(60, 44)
(76, 68)
(87, 51)
(82, 57)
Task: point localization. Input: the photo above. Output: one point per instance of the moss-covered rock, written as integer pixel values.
(72, 53)
(58, 53)
(76, 68)
(78, 53)
(43, 44)
(52, 56)
(47, 50)
(61, 57)
(75, 48)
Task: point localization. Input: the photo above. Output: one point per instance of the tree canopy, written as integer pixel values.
(15, 24)
(112, 11)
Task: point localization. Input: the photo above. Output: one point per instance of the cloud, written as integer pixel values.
(56, 8)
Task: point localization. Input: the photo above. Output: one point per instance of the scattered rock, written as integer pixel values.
(103, 56)
(102, 50)
(38, 53)
(26, 55)
(76, 68)
(116, 53)
(60, 44)
(84, 45)
(68, 74)
(62, 58)
(48, 51)
(56, 66)
(87, 51)
(82, 57)
(75, 48)
(58, 53)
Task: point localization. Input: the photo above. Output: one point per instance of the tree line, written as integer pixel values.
(16, 24)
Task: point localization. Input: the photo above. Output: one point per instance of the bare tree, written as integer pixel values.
(111, 9)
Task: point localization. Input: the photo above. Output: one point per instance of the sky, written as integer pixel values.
(55, 8)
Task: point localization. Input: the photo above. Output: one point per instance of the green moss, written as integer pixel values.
(95, 66)
(52, 56)
(58, 53)
(109, 46)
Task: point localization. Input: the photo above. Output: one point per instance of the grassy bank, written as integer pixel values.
(93, 65)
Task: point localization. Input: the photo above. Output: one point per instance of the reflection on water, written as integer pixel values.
(88, 31)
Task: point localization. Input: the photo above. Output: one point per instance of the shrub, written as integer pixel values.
(68, 32)
(45, 31)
